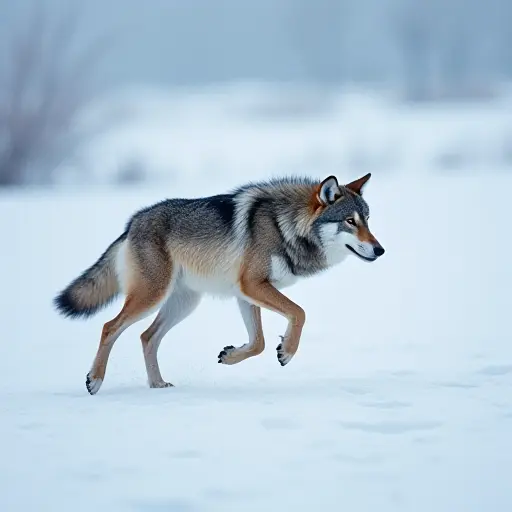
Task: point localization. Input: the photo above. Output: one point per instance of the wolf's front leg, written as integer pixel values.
(251, 315)
(267, 296)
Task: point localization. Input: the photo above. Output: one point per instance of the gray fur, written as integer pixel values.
(272, 216)
(344, 208)
(94, 288)
(246, 244)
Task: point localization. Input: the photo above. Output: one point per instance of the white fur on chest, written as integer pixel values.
(280, 275)
(334, 244)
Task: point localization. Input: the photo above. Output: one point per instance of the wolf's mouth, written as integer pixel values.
(365, 258)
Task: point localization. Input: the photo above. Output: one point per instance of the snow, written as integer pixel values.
(399, 398)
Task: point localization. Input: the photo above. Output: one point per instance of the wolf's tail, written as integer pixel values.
(94, 289)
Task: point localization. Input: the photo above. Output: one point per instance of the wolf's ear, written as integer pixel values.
(357, 185)
(329, 191)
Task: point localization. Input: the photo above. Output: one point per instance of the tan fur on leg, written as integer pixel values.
(267, 296)
(145, 293)
(155, 378)
(252, 319)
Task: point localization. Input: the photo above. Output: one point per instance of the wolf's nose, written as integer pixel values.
(378, 251)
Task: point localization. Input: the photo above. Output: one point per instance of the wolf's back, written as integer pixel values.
(94, 289)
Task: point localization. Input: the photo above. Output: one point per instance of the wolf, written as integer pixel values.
(248, 244)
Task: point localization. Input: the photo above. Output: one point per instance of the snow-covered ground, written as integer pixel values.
(399, 399)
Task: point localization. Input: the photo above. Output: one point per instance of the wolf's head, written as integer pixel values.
(343, 220)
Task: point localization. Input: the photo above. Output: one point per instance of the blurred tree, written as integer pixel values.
(44, 87)
(450, 48)
(316, 31)
(414, 33)
(500, 14)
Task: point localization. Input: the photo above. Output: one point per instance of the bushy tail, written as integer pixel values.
(94, 289)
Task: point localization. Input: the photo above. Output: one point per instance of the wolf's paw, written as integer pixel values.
(160, 384)
(282, 356)
(93, 384)
(226, 355)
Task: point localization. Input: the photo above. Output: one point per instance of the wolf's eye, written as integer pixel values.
(351, 221)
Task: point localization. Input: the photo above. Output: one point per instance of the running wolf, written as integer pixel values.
(247, 244)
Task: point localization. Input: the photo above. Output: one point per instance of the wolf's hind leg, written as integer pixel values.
(136, 307)
(180, 304)
(150, 272)
(251, 315)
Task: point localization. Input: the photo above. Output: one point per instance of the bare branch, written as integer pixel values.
(45, 88)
